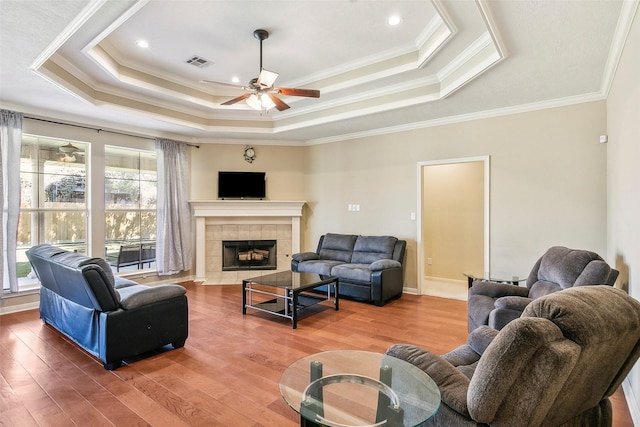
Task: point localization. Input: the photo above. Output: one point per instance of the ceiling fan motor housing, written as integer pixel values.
(261, 34)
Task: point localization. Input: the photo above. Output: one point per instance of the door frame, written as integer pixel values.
(486, 160)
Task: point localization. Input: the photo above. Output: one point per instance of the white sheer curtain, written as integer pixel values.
(10, 144)
(173, 220)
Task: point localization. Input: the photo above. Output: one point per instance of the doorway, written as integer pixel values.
(453, 224)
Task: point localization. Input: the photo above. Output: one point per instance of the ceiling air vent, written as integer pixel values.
(198, 61)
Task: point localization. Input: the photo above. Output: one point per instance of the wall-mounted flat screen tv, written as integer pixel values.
(242, 185)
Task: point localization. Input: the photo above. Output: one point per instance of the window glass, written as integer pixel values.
(53, 205)
(130, 204)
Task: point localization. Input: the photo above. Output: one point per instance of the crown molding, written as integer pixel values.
(627, 15)
(559, 102)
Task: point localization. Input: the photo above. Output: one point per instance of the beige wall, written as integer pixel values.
(453, 220)
(623, 170)
(548, 183)
(285, 168)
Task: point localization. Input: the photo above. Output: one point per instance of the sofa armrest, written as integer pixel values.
(140, 295)
(386, 284)
(497, 290)
(452, 383)
(305, 256)
(383, 264)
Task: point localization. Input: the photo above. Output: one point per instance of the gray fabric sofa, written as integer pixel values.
(496, 304)
(557, 365)
(110, 317)
(368, 268)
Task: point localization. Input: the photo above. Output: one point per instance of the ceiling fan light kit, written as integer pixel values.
(260, 102)
(262, 95)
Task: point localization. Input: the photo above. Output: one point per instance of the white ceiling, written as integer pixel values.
(77, 61)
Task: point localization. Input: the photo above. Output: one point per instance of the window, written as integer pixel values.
(130, 205)
(53, 206)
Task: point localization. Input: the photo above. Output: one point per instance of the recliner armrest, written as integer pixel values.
(452, 383)
(513, 302)
(497, 290)
(305, 256)
(140, 295)
(480, 338)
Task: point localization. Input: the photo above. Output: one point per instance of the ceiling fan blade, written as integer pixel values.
(280, 104)
(267, 78)
(238, 99)
(311, 93)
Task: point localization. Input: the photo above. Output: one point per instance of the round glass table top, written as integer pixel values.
(359, 388)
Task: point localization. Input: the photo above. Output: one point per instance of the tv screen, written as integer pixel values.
(242, 185)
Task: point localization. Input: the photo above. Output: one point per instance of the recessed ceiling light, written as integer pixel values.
(142, 43)
(394, 20)
(235, 79)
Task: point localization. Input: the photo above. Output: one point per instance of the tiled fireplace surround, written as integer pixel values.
(220, 220)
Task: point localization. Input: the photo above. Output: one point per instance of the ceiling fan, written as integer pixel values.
(261, 94)
(69, 152)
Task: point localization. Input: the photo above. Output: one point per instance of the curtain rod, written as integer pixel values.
(98, 129)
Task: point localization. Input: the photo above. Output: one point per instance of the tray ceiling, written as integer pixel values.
(446, 61)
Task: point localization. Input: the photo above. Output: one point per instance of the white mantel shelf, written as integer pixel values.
(203, 209)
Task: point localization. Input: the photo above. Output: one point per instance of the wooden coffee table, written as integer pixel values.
(285, 293)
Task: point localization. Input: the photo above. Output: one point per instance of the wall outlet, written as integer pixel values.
(429, 261)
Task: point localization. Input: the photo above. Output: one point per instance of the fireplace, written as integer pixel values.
(248, 255)
(218, 220)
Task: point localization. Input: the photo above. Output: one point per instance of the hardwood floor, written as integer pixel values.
(226, 375)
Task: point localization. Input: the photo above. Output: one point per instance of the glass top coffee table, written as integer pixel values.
(515, 280)
(358, 388)
(285, 293)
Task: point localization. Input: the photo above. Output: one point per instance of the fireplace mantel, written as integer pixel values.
(233, 208)
(238, 210)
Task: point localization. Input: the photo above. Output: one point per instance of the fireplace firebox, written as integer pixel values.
(248, 255)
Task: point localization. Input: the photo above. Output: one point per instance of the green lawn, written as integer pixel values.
(23, 269)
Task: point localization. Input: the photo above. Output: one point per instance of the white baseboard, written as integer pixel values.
(445, 288)
(19, 307)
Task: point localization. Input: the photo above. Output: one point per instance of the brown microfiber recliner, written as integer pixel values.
(556, 365)
(496, 304)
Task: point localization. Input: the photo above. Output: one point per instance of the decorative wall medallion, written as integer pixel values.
(249, 154)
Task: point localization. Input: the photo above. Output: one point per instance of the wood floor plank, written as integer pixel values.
(226, 375)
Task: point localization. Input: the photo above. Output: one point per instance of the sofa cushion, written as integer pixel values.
(139, 295)
(73, 259)
(359, 272)
(338, 247)
(121, 282)
(368, 249)
(320, 266)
